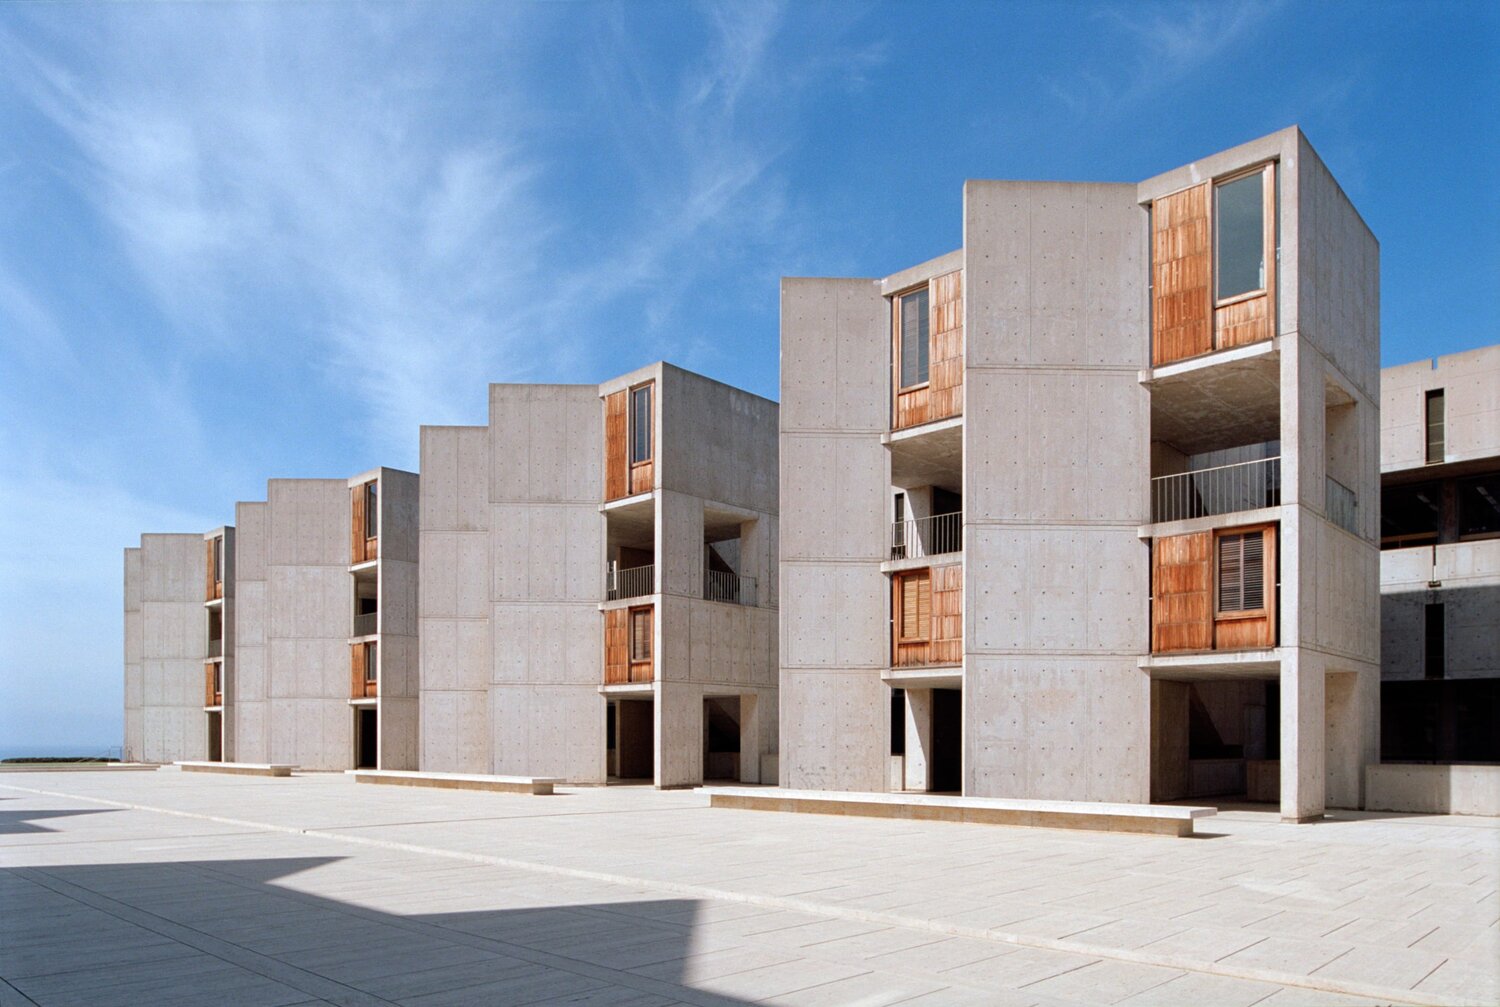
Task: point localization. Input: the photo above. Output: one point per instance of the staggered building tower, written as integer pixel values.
(1072, 512)
(1086, 509)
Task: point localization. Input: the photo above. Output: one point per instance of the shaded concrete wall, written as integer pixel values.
(454, 600)
(249, 706)
(228, 609)
(399, 653)
(546, 542)
(1471, 395)
(1056, 455)
(165, 647)
(835, 478)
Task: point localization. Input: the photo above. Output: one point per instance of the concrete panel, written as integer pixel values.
(454, 731)
(679, 734)
(703, 424)
(827, 722)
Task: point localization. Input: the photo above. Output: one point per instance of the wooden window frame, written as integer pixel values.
(372, 666)
(899, 336)
(631, 424)
(630, 654)
(898, 615)
(371, 490)
(1267, 572)
(1267, 171)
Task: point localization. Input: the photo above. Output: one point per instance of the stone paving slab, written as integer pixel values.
(242, 889)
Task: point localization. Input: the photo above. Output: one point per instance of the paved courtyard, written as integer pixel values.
(167, 888)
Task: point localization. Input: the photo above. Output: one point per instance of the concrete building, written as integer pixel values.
(179, 633)
(1440, 559)
(598, 583)
(325, 624)
(1073, 512)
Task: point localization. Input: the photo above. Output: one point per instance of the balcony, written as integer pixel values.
(1342, 506)
(213, 684)
(927, 536)
(634, 582)
(1223, 489)
(365, 623)
(216, 647)
(720, 585)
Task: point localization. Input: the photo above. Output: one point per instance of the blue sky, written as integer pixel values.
(239, 242)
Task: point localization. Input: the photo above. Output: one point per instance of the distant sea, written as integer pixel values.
(54, 750)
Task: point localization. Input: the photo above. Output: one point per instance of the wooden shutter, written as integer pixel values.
(616, 646)
(356, 670)
(946, 396)
(1181, 583)
(357, 525)
(1246, 615)
(948, 614)
(208, 570)
(615, 468)
(916, 607)
(1182, 320)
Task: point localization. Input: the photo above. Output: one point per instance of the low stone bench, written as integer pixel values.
(540, 785)
(1151, 819)
(237, 768)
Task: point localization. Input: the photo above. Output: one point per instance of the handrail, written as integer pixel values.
(634, 582)
(721, 585)
(927, 536)
(1222, 489)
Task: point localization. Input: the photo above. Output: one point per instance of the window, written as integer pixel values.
(219, 677)
(640, 424)
(912, 331)
(1436, 421)
(1242, 580)
(1409, 515)
(640, 634)
(1433, 651)
(1479, 506)
(1240, 236)
(372, 509)
(914, 617)
(371, 663)
(219, 560)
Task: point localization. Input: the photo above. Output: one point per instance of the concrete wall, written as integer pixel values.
(1450, 790)
(835, 479)
(1056, 453)
(454, 600)
(165, 647)
(293, 625)
(1471, 396)
(717, 442)
(399, 653)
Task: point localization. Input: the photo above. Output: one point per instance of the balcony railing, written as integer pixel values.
(927, 536)
(635, 582)
(365, 623)
(216, 647)
(720, 585)
(1220, 490)
(1342, 506)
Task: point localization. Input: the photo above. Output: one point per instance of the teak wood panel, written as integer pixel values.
(941, 641)
(358, 687)
(642, 477)
(1243, 322)
(357, 537)
(211, 696)
(619, 669)
(616, 447)
(212, 586)
(1255, 630)
(1181, 288)
(942, 396)
(1182, 584)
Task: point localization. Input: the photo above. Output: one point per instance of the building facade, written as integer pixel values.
(1073, 511)
(598, 585)
(1440, 559)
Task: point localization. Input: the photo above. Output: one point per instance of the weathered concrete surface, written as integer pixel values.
(166, 645)
(630, 894)
(1433, 789)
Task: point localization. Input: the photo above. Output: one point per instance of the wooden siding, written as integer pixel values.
(358, 687)
(616, 448)
(942, 395)
(357, 538)
(619, 669)
(1250, 630)
(212, 587)
(642, 477)
(935, 597)
(1242, 322)
(1182, 585)
(211, 697)
(1181, 293)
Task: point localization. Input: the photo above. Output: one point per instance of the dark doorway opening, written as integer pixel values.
(721, 738)
(216, 737)
(633, 723)
(366, 737)
(947, 764)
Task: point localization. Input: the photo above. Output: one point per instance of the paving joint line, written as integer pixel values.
(1132, 956)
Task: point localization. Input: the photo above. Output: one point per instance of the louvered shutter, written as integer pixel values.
(914, 338)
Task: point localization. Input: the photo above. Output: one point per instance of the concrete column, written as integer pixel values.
(750, 746)
(679, 544)
(918, 739)
(1344, 733)
(755, 558)
(1302, 735)
(679, 735)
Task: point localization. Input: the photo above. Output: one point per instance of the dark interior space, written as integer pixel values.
(366, 733)
(947, 741)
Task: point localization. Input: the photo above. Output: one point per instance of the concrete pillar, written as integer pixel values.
(1344, 734)
(750, 746)
(679, 735)
(1303, 729)
(918, 739)
(679, 544)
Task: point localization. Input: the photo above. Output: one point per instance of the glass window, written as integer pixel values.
(218, 560)
(1436, 423)
(914, 337)
(1433, 651)
(371, 662)
(1409, 514)
(640, 424)
(1479, 506)
(640, 634)
(372, 509)
(1240, 236)
(1242, 578)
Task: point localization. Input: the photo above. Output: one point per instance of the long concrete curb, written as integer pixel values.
(1386, 994)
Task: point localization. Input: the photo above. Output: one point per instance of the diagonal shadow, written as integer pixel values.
(241, 931)
(17, 822)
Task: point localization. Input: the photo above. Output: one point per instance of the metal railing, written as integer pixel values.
(1223, 489)
(635, 582)
(720, 585)
(1342, 506)
(365, 623)
(927, 536)
(216, 647)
